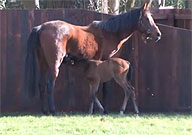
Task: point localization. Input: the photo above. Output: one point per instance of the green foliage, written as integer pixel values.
(124, 4)
(77, 124)
(176, 3)
(2, 4)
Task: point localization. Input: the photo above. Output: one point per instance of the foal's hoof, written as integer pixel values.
(136, 114)
(45, 113)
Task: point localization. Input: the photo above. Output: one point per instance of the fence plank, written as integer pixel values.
(160, 71)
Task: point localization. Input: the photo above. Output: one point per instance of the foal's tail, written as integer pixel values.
(30, 73)
(130, 73)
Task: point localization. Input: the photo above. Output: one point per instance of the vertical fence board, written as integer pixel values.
(162, 72)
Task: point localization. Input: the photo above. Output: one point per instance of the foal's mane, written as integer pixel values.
(119, 22)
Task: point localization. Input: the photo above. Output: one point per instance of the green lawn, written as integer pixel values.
(80, 124)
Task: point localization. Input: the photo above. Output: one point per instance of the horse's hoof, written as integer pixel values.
(53, 113)
(90, 113)
(136, 114)
(45, 113)
(121, 113)
(105, 112)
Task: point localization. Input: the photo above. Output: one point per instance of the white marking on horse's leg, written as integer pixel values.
(121, 112)
(58, 62)
(134, 102)
(99, 105)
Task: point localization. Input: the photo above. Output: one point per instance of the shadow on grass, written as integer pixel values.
(80, 114)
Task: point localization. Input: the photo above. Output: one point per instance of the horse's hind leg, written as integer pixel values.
(42, 87)
(52, 75)
(54, 55)
(50, 92)
(42, 80)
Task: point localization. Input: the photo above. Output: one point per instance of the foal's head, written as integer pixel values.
(147, 25)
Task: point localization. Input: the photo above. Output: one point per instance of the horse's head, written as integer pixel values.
(147, 25)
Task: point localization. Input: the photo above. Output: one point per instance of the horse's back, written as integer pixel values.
(57, 28)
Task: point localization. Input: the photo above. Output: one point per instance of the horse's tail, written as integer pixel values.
(30, 78)
(130, 73)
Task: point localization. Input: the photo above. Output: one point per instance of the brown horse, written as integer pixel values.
(52, 40)
(97, 71)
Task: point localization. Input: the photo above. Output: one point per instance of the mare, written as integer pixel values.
(49, 42)
(97, 71)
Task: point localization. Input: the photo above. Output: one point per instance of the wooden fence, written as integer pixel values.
(181, 18)
(162, 71)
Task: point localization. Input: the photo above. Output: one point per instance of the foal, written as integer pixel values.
(97, 72)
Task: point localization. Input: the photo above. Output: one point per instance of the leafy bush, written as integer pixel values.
(2, 4)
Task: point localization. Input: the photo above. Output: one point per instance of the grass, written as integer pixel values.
(81, 124)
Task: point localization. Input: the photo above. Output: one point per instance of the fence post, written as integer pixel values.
(171, 20)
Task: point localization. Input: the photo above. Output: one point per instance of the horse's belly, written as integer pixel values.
(83, 45)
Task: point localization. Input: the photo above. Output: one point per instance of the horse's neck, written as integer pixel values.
(124, 34)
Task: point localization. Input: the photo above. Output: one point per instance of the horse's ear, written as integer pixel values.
(145, 6)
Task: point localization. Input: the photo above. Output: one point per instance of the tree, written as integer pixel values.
(30, 4)
(130, 4)
(114, 6)
(189, 3)
(104, 8)
(2, 4)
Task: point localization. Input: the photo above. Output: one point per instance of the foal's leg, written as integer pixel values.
(93, 90)
(91, 100)
(105, 96)
(120, 79)
(133, 97)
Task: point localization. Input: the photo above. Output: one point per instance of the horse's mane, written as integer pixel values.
(119, 22)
